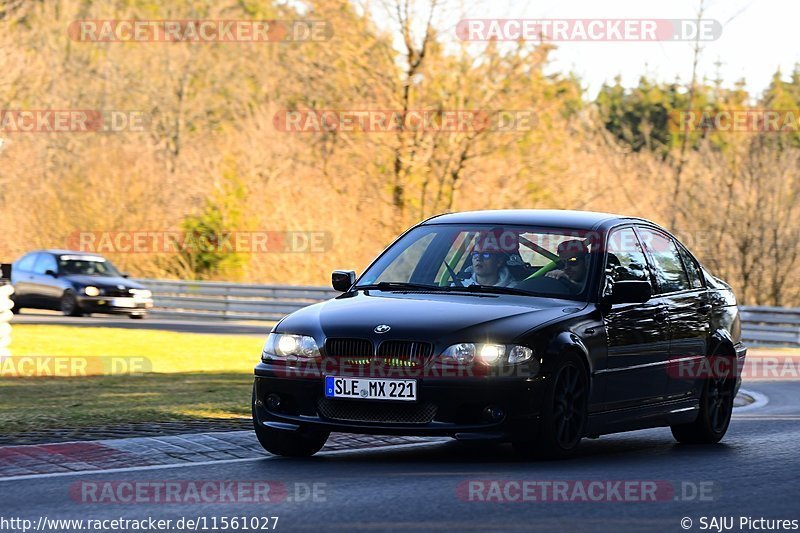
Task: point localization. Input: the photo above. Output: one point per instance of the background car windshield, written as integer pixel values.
(550, 262)
(86, 267)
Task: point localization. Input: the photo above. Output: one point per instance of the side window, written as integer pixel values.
(625, 260)
(668, 267)
(692, 268)
(44, 263)
(26, 263)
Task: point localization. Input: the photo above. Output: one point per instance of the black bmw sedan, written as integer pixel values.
(537, 328)
(76, 283)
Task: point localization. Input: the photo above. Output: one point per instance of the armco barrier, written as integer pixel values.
(771, 326)
(233, 301)
(761, 326)
(6, 304)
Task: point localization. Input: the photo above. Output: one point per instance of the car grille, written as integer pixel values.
(348, 348)
(113, 291)
(404, 353)
(392, 354)
(371, 411)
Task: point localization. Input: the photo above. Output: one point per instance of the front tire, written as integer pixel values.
(69, 304)
(564, 414)
(716, 408)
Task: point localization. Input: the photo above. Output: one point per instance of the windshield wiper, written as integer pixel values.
(488, 289)
(397, 286)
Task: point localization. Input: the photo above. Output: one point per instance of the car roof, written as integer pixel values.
(55, 251)
(559, 218)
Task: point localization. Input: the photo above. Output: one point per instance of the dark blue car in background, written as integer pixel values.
(76, 283)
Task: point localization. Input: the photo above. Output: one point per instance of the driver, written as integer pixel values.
(573, 257)
(489, 268)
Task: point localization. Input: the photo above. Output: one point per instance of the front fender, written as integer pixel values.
(568, 342)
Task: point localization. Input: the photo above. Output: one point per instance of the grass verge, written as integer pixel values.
(189, 377)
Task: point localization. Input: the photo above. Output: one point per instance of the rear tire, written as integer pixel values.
(69, 304)
(303, 442)
(564, 413)
(716, 407)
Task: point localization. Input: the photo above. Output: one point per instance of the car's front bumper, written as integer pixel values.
(115, 304)
(459, 406)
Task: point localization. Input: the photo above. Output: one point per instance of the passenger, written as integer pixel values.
(572, 264)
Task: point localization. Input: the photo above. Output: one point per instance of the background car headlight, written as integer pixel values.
(91, 291)
(285, 346)
(488, 354)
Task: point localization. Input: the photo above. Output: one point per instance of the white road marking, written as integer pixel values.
(760, 401)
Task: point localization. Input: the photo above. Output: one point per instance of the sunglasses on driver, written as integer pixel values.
(568, 262)
(485, 256)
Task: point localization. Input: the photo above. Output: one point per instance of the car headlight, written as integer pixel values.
(91, 290)
(487, 354)
(288, 347)
(519, 354)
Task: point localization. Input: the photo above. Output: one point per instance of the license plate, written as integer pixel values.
(371, 389)
(123, 302)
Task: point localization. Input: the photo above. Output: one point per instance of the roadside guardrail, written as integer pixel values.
(761, 326)
(231, 301)
(771, 326)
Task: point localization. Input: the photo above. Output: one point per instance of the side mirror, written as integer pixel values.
(50, 273)
(125, 275)
(631, 292)
(342, 280)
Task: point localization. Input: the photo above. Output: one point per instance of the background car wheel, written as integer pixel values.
(17, 308)
(69, 304)
(564, 413)
(716, 407)
(301, 443)
(137, 317)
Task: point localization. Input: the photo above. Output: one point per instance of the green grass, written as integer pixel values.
(192, 377)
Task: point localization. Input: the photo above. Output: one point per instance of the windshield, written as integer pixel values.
(449, 257)
(86, 266)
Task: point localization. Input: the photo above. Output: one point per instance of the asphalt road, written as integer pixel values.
(752, 473)
(152, 322)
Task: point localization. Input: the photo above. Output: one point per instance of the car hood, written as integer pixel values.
(431, 317)
(103, 281)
